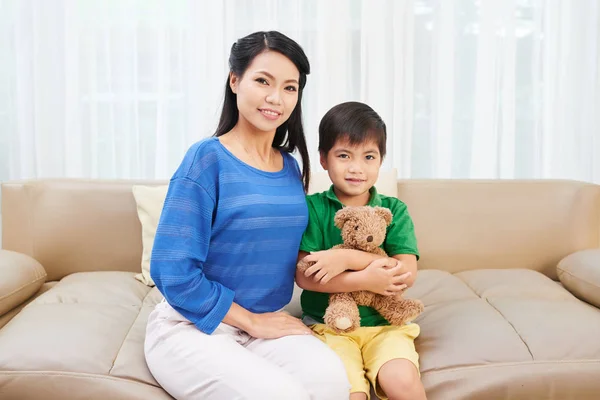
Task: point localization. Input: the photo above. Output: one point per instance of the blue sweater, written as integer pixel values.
(228, 232)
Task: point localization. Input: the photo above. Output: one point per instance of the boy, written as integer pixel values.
(352, 140)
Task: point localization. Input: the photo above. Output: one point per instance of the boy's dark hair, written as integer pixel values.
(352, 121)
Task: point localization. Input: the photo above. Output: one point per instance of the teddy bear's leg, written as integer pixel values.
(398, 310)
(342, 313)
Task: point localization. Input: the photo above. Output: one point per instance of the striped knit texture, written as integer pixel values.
(228, 233)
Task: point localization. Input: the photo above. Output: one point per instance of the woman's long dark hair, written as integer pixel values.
(290, 135)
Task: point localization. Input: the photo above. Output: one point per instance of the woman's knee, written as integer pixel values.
(330, 380)
(196, 384)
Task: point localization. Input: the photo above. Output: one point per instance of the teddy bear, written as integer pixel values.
(364, 228)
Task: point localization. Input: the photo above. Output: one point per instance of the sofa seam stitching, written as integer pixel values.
(77, 374)
(502, 315)
(509, 364)
(36, 280)
(586, 281)
(128, 332)
(512, 326)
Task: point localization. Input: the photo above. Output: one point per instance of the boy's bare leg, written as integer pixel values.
(358, 396)
(400, 380)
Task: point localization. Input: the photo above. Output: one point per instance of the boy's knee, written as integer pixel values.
(398, 378)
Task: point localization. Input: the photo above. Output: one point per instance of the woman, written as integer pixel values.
(225, 249)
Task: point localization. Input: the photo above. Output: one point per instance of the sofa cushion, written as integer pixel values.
(22, 277)
(149, 201)
(580, 274)
(505, 333)
(11, 314)
(484, 334)
(89, 323)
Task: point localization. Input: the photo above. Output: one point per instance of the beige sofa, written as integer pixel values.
(509, 274)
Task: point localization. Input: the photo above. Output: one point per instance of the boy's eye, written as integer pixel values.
(262, 81)
(370, 157)
(343, 156)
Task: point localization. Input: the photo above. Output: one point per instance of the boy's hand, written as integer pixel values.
(327, 265)
(385, 276)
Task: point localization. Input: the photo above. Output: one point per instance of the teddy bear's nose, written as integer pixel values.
(369, 238)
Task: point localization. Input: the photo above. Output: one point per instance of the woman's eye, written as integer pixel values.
(291, 89)
(261, 81)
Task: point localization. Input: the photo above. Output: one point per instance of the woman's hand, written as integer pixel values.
(384, 276)
(275, 325)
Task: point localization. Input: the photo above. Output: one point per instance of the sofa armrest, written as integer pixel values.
(580, 274)
(20, 278)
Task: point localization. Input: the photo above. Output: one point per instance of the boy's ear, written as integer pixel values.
(342, 216)
(233, 82)
(384, 213)
(323, 160)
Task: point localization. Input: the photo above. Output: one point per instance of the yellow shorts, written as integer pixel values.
(365, 350)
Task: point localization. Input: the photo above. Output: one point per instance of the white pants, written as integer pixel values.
(231, 365)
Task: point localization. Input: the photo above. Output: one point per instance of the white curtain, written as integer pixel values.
(468, 88)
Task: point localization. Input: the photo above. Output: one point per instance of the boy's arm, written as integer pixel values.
(332, 262)
(401, 241)
(409, 264)
(344, 282)
(384, 276)
(362, 260)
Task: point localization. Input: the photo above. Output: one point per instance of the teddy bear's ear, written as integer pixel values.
(342, 216)
(384, 213)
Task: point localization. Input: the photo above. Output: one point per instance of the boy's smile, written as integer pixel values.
(353, 169)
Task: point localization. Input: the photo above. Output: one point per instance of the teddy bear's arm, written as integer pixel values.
(380, 251)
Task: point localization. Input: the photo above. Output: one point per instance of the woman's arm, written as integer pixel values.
(179, 251)
(178, 254)
(265, 326)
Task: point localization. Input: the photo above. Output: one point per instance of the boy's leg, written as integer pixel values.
(309, 361)
(392, 363)
(190, 364)
(349, 352)
(399, 379)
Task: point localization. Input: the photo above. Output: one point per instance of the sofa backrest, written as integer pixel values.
(73, 225)
(79, 225)
(475, 224)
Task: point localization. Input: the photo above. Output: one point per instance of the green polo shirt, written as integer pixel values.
(322, 234)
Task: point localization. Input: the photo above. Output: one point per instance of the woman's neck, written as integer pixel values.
(253, 147)
(257, 143)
